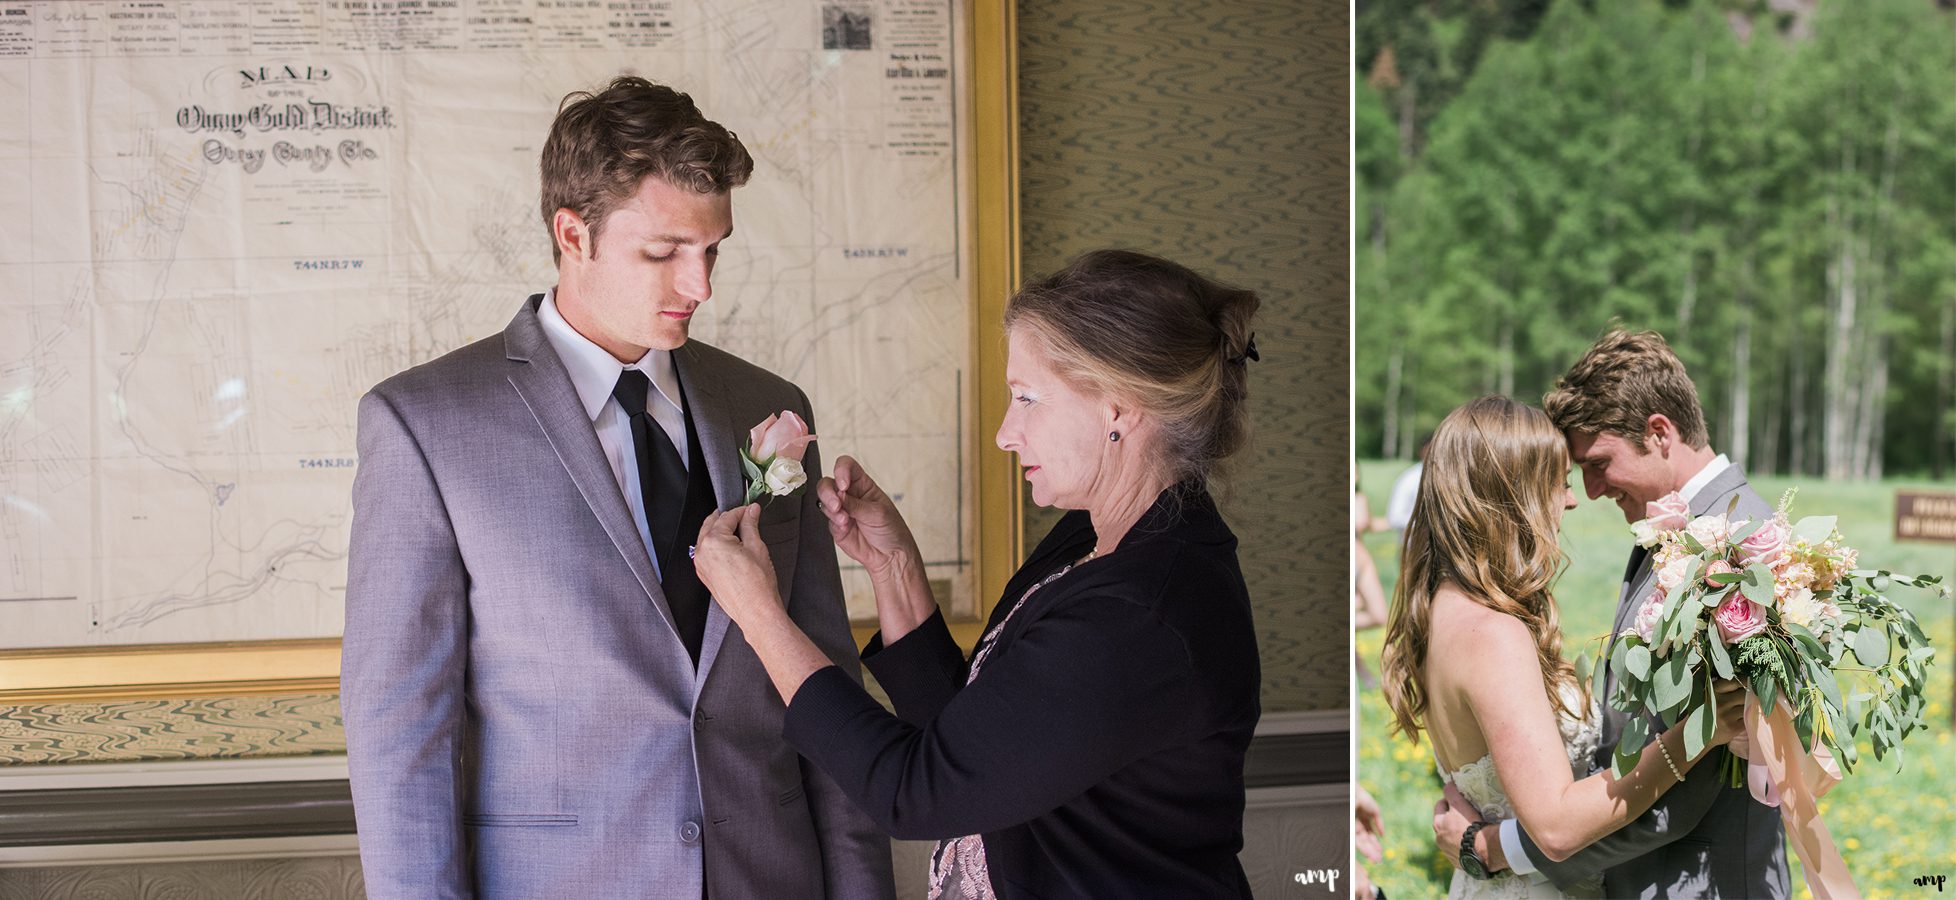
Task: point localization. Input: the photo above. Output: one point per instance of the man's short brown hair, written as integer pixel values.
(1624, 379)
(604, 144)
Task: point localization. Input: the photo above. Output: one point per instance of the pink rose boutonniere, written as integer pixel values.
(772, 457)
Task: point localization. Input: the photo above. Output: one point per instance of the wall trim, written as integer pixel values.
(178, 851)
(1298, 795)
(1314, 721)
(325, 767)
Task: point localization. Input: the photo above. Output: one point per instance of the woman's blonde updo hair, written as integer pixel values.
(1485, 521)
(1153, 335)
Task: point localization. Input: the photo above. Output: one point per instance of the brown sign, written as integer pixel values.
(1925, 517)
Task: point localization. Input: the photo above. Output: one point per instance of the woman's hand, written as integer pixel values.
(865, 523)
(732, 562)
(1731, 715)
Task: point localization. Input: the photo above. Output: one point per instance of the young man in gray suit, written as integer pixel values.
(1636, 431)
(541, 700)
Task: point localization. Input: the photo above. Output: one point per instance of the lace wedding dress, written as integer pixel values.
(1481, 785)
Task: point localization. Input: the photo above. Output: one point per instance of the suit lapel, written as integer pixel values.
(719, 439)
(1716, 495)
(545, 387)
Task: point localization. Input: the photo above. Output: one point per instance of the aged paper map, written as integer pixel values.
(221, 222)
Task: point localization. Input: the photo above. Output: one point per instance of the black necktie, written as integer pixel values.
(662, 489)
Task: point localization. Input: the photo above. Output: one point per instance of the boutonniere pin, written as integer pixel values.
(772, 457)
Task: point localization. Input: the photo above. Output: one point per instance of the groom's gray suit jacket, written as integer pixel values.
(522, 718)
(1702, 838)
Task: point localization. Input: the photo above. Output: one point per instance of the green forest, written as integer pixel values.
(1771, 185)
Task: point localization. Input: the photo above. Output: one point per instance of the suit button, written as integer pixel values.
(690, 832)
(699, 716)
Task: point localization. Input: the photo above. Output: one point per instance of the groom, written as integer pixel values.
(540, 698)
(1636, 431)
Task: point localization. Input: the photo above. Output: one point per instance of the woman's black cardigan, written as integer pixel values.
(1100, 750)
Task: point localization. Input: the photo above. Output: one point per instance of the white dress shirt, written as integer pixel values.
(594, 373)
(1511, 829)
(1405, 493)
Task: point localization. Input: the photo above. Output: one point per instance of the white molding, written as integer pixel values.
(158, 774)
(1336, 793)
(1319, 721)
(179, 851)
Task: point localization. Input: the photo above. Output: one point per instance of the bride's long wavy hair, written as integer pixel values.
(1486, 521)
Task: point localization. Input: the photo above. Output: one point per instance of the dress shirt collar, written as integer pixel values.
(1704, 477)
(593, 371)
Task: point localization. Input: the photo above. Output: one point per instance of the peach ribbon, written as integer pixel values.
(1781, 774)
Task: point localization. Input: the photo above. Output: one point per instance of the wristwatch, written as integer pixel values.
(1470, 862)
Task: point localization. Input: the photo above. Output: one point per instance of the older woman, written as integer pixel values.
(1093, 743)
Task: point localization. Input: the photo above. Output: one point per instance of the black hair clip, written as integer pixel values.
(1249, 352)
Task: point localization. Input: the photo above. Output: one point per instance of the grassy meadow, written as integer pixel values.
(1891, 826)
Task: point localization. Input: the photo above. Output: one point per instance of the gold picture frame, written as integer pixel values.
(94, 674)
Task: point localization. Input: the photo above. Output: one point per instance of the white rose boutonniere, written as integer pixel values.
(772, 457)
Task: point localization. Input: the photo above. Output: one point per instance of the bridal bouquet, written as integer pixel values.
(1781, 607)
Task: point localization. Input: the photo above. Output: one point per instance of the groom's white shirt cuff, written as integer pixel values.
(1518, 861)
(1697, 483)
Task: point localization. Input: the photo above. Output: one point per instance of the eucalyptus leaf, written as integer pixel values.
(1636, 733)
(1815, 529)
(1823, 678)
(1720, 657)
(1806, 639)
(1671, 683)
(1637, 662)
(1871, 645)
(1621, 763)
(1698, 730)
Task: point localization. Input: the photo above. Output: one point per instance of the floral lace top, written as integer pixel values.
(957, 866)
(1481, 785)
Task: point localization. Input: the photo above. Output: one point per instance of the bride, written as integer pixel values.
(1473, 653)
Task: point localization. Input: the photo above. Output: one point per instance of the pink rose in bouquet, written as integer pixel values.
(1738, 618)
(1648, 616)
(1718, 567)
(1668, 513)
(1766, 545)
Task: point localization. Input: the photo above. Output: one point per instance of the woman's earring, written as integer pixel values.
(1114, 436)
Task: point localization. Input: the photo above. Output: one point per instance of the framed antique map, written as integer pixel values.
(221, 223)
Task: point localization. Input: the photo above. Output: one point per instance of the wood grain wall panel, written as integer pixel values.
(1216, 134)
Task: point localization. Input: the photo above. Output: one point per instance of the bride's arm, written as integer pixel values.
(1493, 658)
